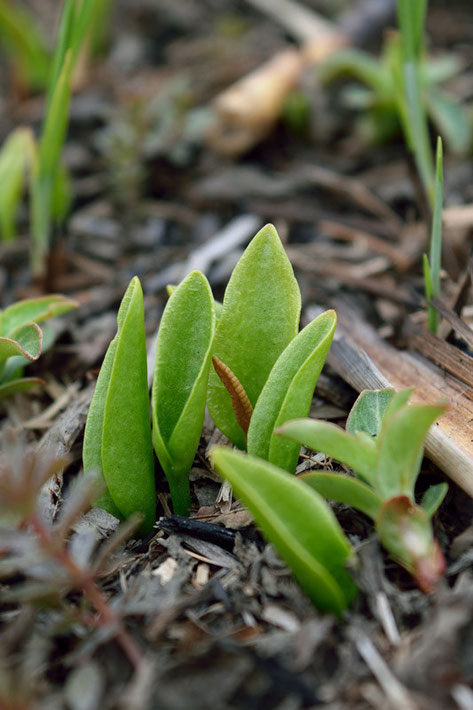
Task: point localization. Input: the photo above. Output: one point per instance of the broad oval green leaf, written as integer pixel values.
(25, 341)
(298, 522)
(117, 440)
(180, 381)
(400, 448)
(333, 441)
(288, 392)
(34, 309)
(368, 412)
(345, 489)
(260, 317)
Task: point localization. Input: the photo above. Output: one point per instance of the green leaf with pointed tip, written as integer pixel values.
(400, 448)
(298, 522)
(367, 413)
(288, 392)
(333, 441)
(22, 385)
(260, 317)
(345, 489)
(117, 439)
(180, 381)
(26, 340)
(433, 498)
(34, 309)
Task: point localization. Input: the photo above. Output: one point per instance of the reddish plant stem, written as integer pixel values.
(82, 580)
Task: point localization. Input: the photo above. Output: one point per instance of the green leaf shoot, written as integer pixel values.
(117, 439)
(17, 158)
(432, 266)
(24, 43)
(433, 498)
(400, 448)
(389, 463)
(180, 381)
(288, 391)
(297, 521)
(260, 317)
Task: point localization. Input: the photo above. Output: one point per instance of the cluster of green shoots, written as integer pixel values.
(402, 93)
(257, 375)
(22, 340)
(37, 163)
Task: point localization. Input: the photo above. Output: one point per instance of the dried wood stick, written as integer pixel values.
(246, 111)
(367, 362)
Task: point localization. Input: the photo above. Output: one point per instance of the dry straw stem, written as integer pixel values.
(247, 110)
(240, 402)
(367, 362)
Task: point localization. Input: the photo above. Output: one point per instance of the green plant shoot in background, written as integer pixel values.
(402, 89)
(22, 340)
(298, 522)
(265, 371)
(21, 156)
(383, 444)
(117, 438)
(433, 265)
(24, 45)
(183, 354)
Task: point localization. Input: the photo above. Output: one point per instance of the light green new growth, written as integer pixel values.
(117, 439)
(180, 381)
(383, 444)
(433, 265)
(260, 317)
(297, 522)
(22, 341)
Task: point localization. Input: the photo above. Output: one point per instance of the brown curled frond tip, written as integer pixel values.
(240, 402)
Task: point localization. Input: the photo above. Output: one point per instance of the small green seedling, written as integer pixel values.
(433, 265)
(183, 354)
(402, 90)
(117, 438)
(265, 371)
(298, 522)
(22, 340)
(50, 194)
(383, 444)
